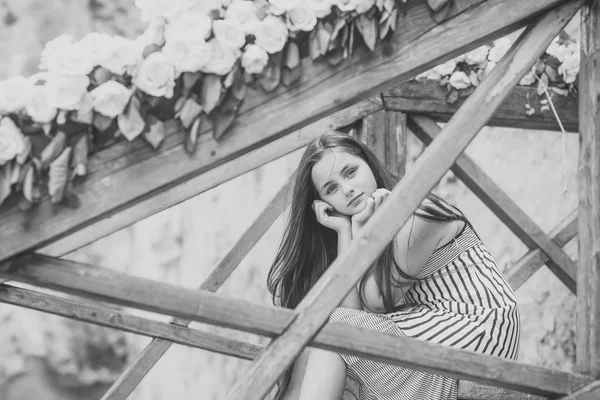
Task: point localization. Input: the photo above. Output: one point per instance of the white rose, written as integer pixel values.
(222, 59)
(229, 33)
(346, 5)
(155, 32)
(500, 48)
(74, 60)
(188, 55)
(321, 8)
(191, 24)
(460, 80)
(477, 56)
(446, 68)
(244, 13)
(121, 56)
(12, 141)
(99, 44)
(362, 6)
(40, 106)
(54, 46)
(67, 91)
(570, 67)
(255, 59)
(156, 76)
(110, 98)
(279, 7)
(14, 93)
(271, 34)
(489, 67)
(528, 79)
(301, 18)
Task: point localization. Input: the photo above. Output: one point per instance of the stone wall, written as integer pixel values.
(49, 358)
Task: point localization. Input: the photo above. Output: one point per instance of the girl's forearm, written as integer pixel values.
(352, 300)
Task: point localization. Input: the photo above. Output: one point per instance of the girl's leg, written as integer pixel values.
(324, 377)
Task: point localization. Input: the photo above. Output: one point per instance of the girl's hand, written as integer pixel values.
(329, 218)
(373, 202)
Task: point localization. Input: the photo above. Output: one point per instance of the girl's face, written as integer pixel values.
(343, 180)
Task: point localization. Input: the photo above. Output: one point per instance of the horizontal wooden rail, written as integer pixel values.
(502, 206)
(121, 179)
(472, 391)
(117, 288)
(526, 266)
(589, 392)
(428, 98)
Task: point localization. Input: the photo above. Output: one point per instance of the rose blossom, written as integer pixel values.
(279, 7)
(188, 55)
(154, 33)
(271, 34)
(121, 56)
(99, 44)
(221, 61)
(301, 18)
(67, 91)
(12, 141)
(229, 33)
(244, 13)
(110, 98)
(477, 56)
(346, 5)
(156, 76)
(460, 80)
(189, 24)
(446, 68)
(570, 67)
(321, 8)
(500, 48)
(362, 6)
(54, 46)
(14, 93)
(255, 59)
(40, 106)
(74, 59)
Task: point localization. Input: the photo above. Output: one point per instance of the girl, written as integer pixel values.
(435, 281)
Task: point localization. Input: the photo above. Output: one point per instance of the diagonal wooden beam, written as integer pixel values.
(122, 177)
(471, 391)
(346, 270)
(152, 353)
(503, 206)
(588, 301)
(526, 266)
(427, 97)
(589, 392)
(118, 288)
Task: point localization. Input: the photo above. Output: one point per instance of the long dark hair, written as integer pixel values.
(308, 248)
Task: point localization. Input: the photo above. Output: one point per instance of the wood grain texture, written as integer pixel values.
(119, 180)
(518, 273)
(589, 392)
(472, 391)
(347, 269)
(117, 288)
(588, 301)
(483, 186)
(426, 97)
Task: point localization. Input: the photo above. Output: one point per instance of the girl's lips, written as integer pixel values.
(354, 200)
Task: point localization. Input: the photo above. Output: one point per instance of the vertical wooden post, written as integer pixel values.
(588, 282)
(385, 133)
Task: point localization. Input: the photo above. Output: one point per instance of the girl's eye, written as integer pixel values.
(351, 172)
(330, 189)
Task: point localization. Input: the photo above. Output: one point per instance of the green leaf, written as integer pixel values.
(324, 35)
(189, 79)
(437, 5)
(132, 123)
(80, 155)
(291, 76)
(443, 12)
(27, 188)
(292, 56)
(155, 133)
(211, 92)
(53, 149)
(15, 173)
(221, 121)
(59, 176)
(314, 45)
(190, 112)
(5, 181)
(271, 75)
(101, 75)
(21, 158)
(368, 29)
(191, 135)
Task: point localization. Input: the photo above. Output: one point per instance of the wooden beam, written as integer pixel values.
(347, 269)
(588, 301)
(134, 374)
(518, 273)
(427, 97)
(503, 206)
(209, 179)
(589, 392)
(123, 177)
(118, 288)
(472, 391)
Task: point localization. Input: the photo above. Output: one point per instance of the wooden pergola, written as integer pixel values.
(127, 183)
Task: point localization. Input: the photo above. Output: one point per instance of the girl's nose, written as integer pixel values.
(349, 191)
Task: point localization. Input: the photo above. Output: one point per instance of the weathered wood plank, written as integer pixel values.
(144, 362)
(518, 273)
(121, 184)
(118, 288)
(209, 179)
(588, 301)
(426, 97)
(589, 392)
(472, 391)
(347, 269)
(503, 206)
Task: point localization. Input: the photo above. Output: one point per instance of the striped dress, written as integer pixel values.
(460, 300)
